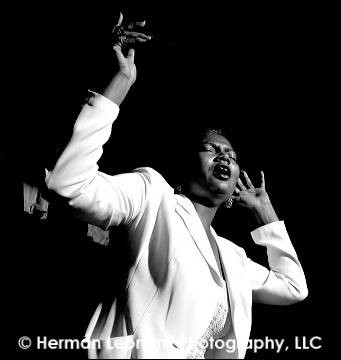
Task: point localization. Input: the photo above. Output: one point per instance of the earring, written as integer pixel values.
(229, 203)
(178, 188)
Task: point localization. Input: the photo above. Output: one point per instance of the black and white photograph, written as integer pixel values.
(167, 168)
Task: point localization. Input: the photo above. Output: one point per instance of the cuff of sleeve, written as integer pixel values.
(263, 233)
(102, 103)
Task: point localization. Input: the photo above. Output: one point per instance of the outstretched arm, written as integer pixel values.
(96, 197)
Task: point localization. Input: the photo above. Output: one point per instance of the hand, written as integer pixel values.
(123, 37)
(119, 86)
(127, 67)
(249, 196)
(255, 199)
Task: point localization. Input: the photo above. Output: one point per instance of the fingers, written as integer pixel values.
(118, 52)
(248, 187)
(236, 195)
(248, 181)
(136, 23)
(135, 40)
(134, 37)
(136, 34)
(131, 25)
(123, 37)
(131, 55)
(120, 19)
(262, 185)
(241, 185)
(236, 190)
(120, 56)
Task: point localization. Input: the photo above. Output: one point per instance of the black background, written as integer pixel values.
(257, 71)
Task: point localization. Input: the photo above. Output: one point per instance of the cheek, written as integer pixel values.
(196, 167)
(235, 172)
(204, 163)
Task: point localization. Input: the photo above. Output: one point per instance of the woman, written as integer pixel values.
(185, 291)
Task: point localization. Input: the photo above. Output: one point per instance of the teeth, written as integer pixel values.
(222, 169)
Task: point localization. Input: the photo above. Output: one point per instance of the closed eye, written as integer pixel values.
(208, 147)
(211, 147)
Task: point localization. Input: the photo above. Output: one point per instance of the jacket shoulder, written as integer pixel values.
(153, 177)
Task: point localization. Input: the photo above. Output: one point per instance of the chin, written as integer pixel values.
(223, 188)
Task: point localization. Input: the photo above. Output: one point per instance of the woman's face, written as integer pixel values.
(215, 172)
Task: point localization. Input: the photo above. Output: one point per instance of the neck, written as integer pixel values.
(206, 214)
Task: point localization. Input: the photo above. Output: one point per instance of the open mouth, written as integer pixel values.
(222, 172)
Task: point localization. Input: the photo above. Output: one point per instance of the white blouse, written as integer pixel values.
(219, 325)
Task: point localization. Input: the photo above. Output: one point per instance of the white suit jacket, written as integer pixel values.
(172, 283)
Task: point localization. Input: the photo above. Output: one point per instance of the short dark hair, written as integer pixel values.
(196, 135)
(187, 144)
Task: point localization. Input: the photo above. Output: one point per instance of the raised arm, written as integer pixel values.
(126, 76)
(96, 197)
(284, 281)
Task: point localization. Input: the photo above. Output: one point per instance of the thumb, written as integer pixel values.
(120, 19)
(131, 55)
(118, 52)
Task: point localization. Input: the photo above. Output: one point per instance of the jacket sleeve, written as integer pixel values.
(95, 197)
(284, 283)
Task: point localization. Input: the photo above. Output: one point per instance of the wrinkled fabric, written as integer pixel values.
(34, 203)
(98, 235)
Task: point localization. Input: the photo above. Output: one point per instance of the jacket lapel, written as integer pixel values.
(239, 291)
(191, 219)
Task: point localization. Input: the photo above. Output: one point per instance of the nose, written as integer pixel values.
(224, 157)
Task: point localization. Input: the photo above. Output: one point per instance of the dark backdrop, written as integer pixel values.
(256, 71)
